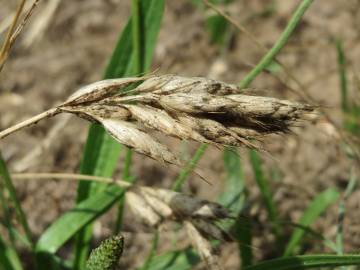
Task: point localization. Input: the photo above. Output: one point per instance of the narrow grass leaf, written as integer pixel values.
(342, 75)
(320, 203)
(307, 262)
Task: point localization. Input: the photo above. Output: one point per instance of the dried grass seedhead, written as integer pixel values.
(198, 109)
(195, 108)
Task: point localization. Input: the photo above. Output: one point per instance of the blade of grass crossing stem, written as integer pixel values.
(342, 74)
(9, 259)
(234, 198)
(279, 44)
(190, 166)
(307, 262)
(319, 204)
(7, 183)
(121, 64)
(264, 187)
(64, 228)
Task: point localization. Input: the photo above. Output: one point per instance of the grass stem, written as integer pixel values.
(5, 176)
(279, 44)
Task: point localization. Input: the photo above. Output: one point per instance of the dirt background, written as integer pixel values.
(73, 50)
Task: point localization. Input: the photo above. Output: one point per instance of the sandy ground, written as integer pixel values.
(73, 51)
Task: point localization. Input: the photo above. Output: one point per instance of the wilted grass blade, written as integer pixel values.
(307, 262)
(314, 210)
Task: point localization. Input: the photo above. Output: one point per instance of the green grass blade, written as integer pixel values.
(307, 262)
(175, 260)
(101, 152)
(65, 227)
(314, 210)
(234, 197)
(264, 187)
(279, 44)
(342, 74)
(8, 184)
(9, 259)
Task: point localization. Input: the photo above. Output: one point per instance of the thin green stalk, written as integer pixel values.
(5, 176)
(279, 44)
(342, 74)
(136, 36)
(185, 172)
